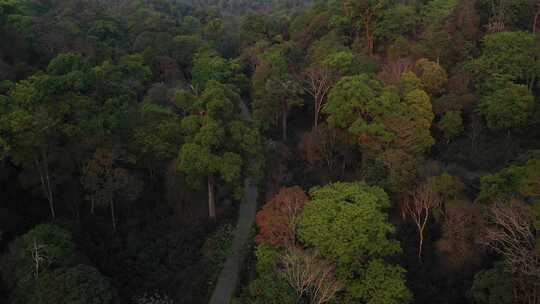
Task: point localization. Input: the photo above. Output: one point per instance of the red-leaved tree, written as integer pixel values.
(276, 219)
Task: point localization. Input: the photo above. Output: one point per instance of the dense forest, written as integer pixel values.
(394, 146)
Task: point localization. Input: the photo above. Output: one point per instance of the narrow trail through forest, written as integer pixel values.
(228, 278)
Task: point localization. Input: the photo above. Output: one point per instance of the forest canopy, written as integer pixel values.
(340, 151)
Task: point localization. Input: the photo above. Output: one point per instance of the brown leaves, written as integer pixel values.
(276, 219)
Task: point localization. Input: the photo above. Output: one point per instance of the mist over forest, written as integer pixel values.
(269, 152)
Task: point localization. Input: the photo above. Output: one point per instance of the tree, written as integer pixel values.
(446, 186)
(347, 224)
(310, 276)
(104, 180)
(530, 185)
(40, 116)
(451, 124)
(277, 219)
(419, 208)
(508, 107)
(318, 82)
(275, 90)
(327, 146)
(43, 268)
(158, 136)
(379, 117)
(365, 14)
(270, 287)
(463, 226)
(217, 140)
(357, 104)
(501, 186)
(210, 66)
(397, 20)
(509, 53)
(81, 284)
(433, 76)
(492, 286)
(513, 234)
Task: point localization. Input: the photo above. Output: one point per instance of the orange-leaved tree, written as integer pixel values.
(277, 217)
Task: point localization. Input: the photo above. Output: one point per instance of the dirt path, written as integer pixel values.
(228, 278)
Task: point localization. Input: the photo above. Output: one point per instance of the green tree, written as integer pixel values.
(41, 114)
(530, 185)
(269, 287)
(365, 15)
(210, 66)
(218, 141)
(275, 90)
(348, 224)
(379, 117)
(81, 284)
(451, 124)
(509, 53)
(44, 269)
(433, 76)
(508, 107)
(501, 186)
(492, 286)
(105, 181)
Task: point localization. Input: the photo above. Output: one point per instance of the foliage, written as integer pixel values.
(508, 53)
(269, 287)
(80, 284)
(451, 124)
(368, 110)
(277, 219)
(507, 107)
(492, 287)
(502, 185)
(347, 224)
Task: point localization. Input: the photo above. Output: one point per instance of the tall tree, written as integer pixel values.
(348, 224)
(512, 54)
(105, 181)
(379, 117)
(513, 234)
(419, 208)
(275, 90)
(278, 217)
(365, 14)
(218, 140)
(507, 107)
(41, 115)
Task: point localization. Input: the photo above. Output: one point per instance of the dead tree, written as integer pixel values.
(318, 81)
(419, 208)
(512, 234)
(309, 275)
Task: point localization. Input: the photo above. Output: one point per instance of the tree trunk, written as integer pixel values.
(318, 106)
(284, 115)
(369, 35)
(420, 243)
(46, 183)
(92, 204)
(113, 217)
(316, 121)
(535, 20)
(211, 198)
(49, 193)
